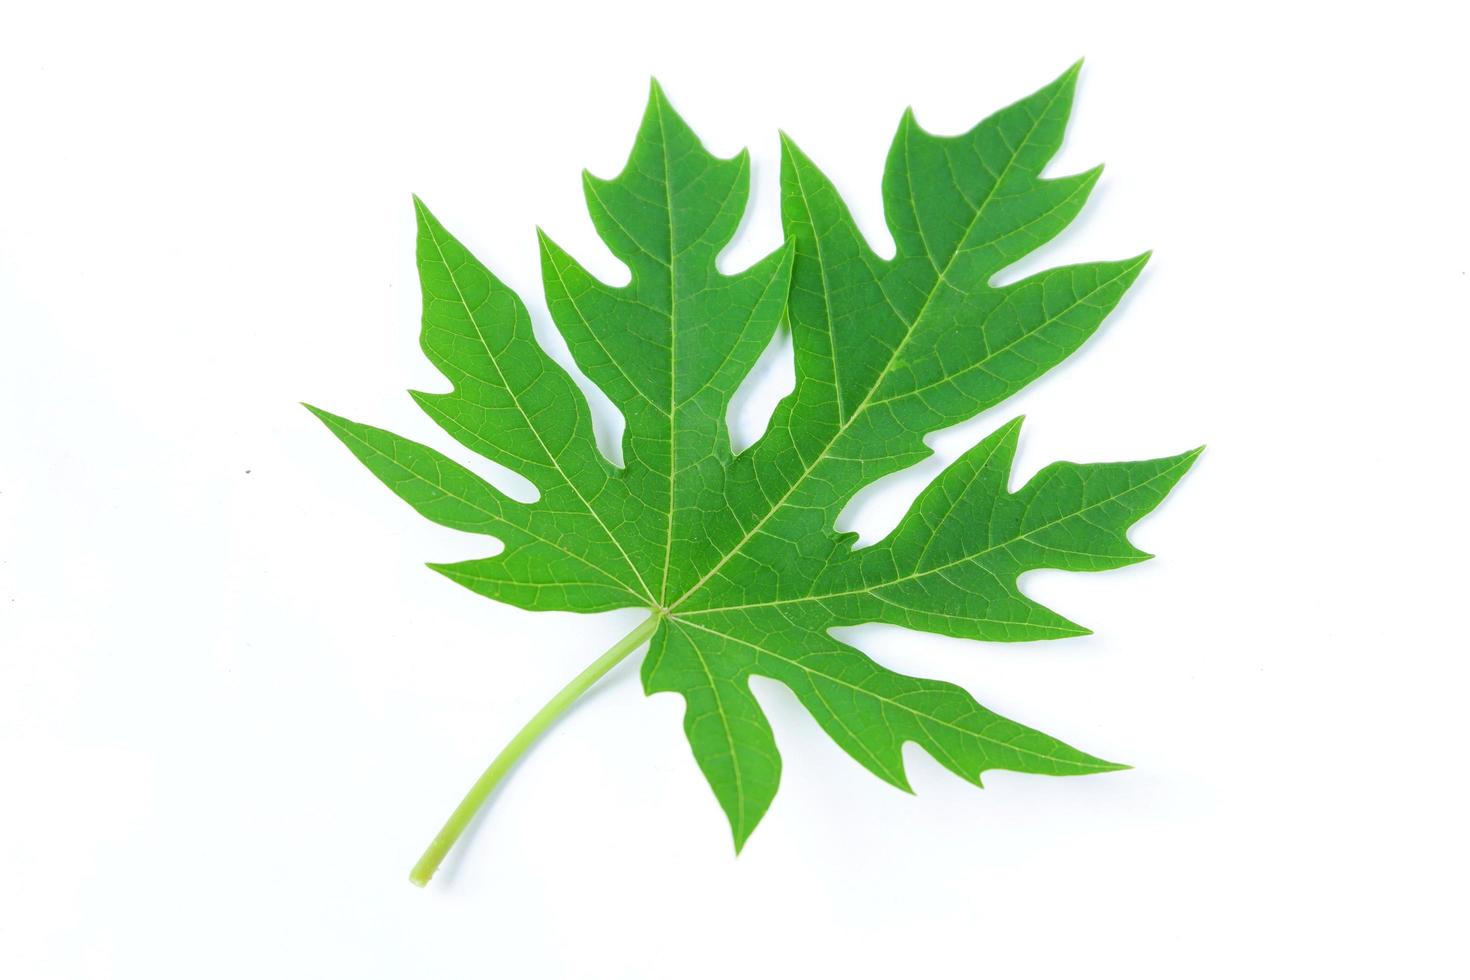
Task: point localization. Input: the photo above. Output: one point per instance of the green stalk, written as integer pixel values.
(524, 739)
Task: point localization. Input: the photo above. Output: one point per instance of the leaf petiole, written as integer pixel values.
(523, 740)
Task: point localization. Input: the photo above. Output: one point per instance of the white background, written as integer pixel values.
(234, 704)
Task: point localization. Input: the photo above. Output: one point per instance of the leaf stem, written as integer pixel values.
(523, 740)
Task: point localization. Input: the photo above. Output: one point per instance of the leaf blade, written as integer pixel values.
(737, 555)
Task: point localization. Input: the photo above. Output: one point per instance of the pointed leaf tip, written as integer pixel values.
(659, 104)
(592, 184)
(791, 150)
(1066, 82)
(1187, 459)
(320, 413)
(421, 210)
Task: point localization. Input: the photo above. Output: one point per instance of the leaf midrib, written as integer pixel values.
(663, 141)
(496, 521)
(938, 569)
(910, 330)
(896, 704)
(530, 424)
(739, 821)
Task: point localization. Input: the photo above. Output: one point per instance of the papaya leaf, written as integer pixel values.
(736, 556)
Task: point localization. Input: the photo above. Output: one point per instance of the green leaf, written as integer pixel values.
(736, 556)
